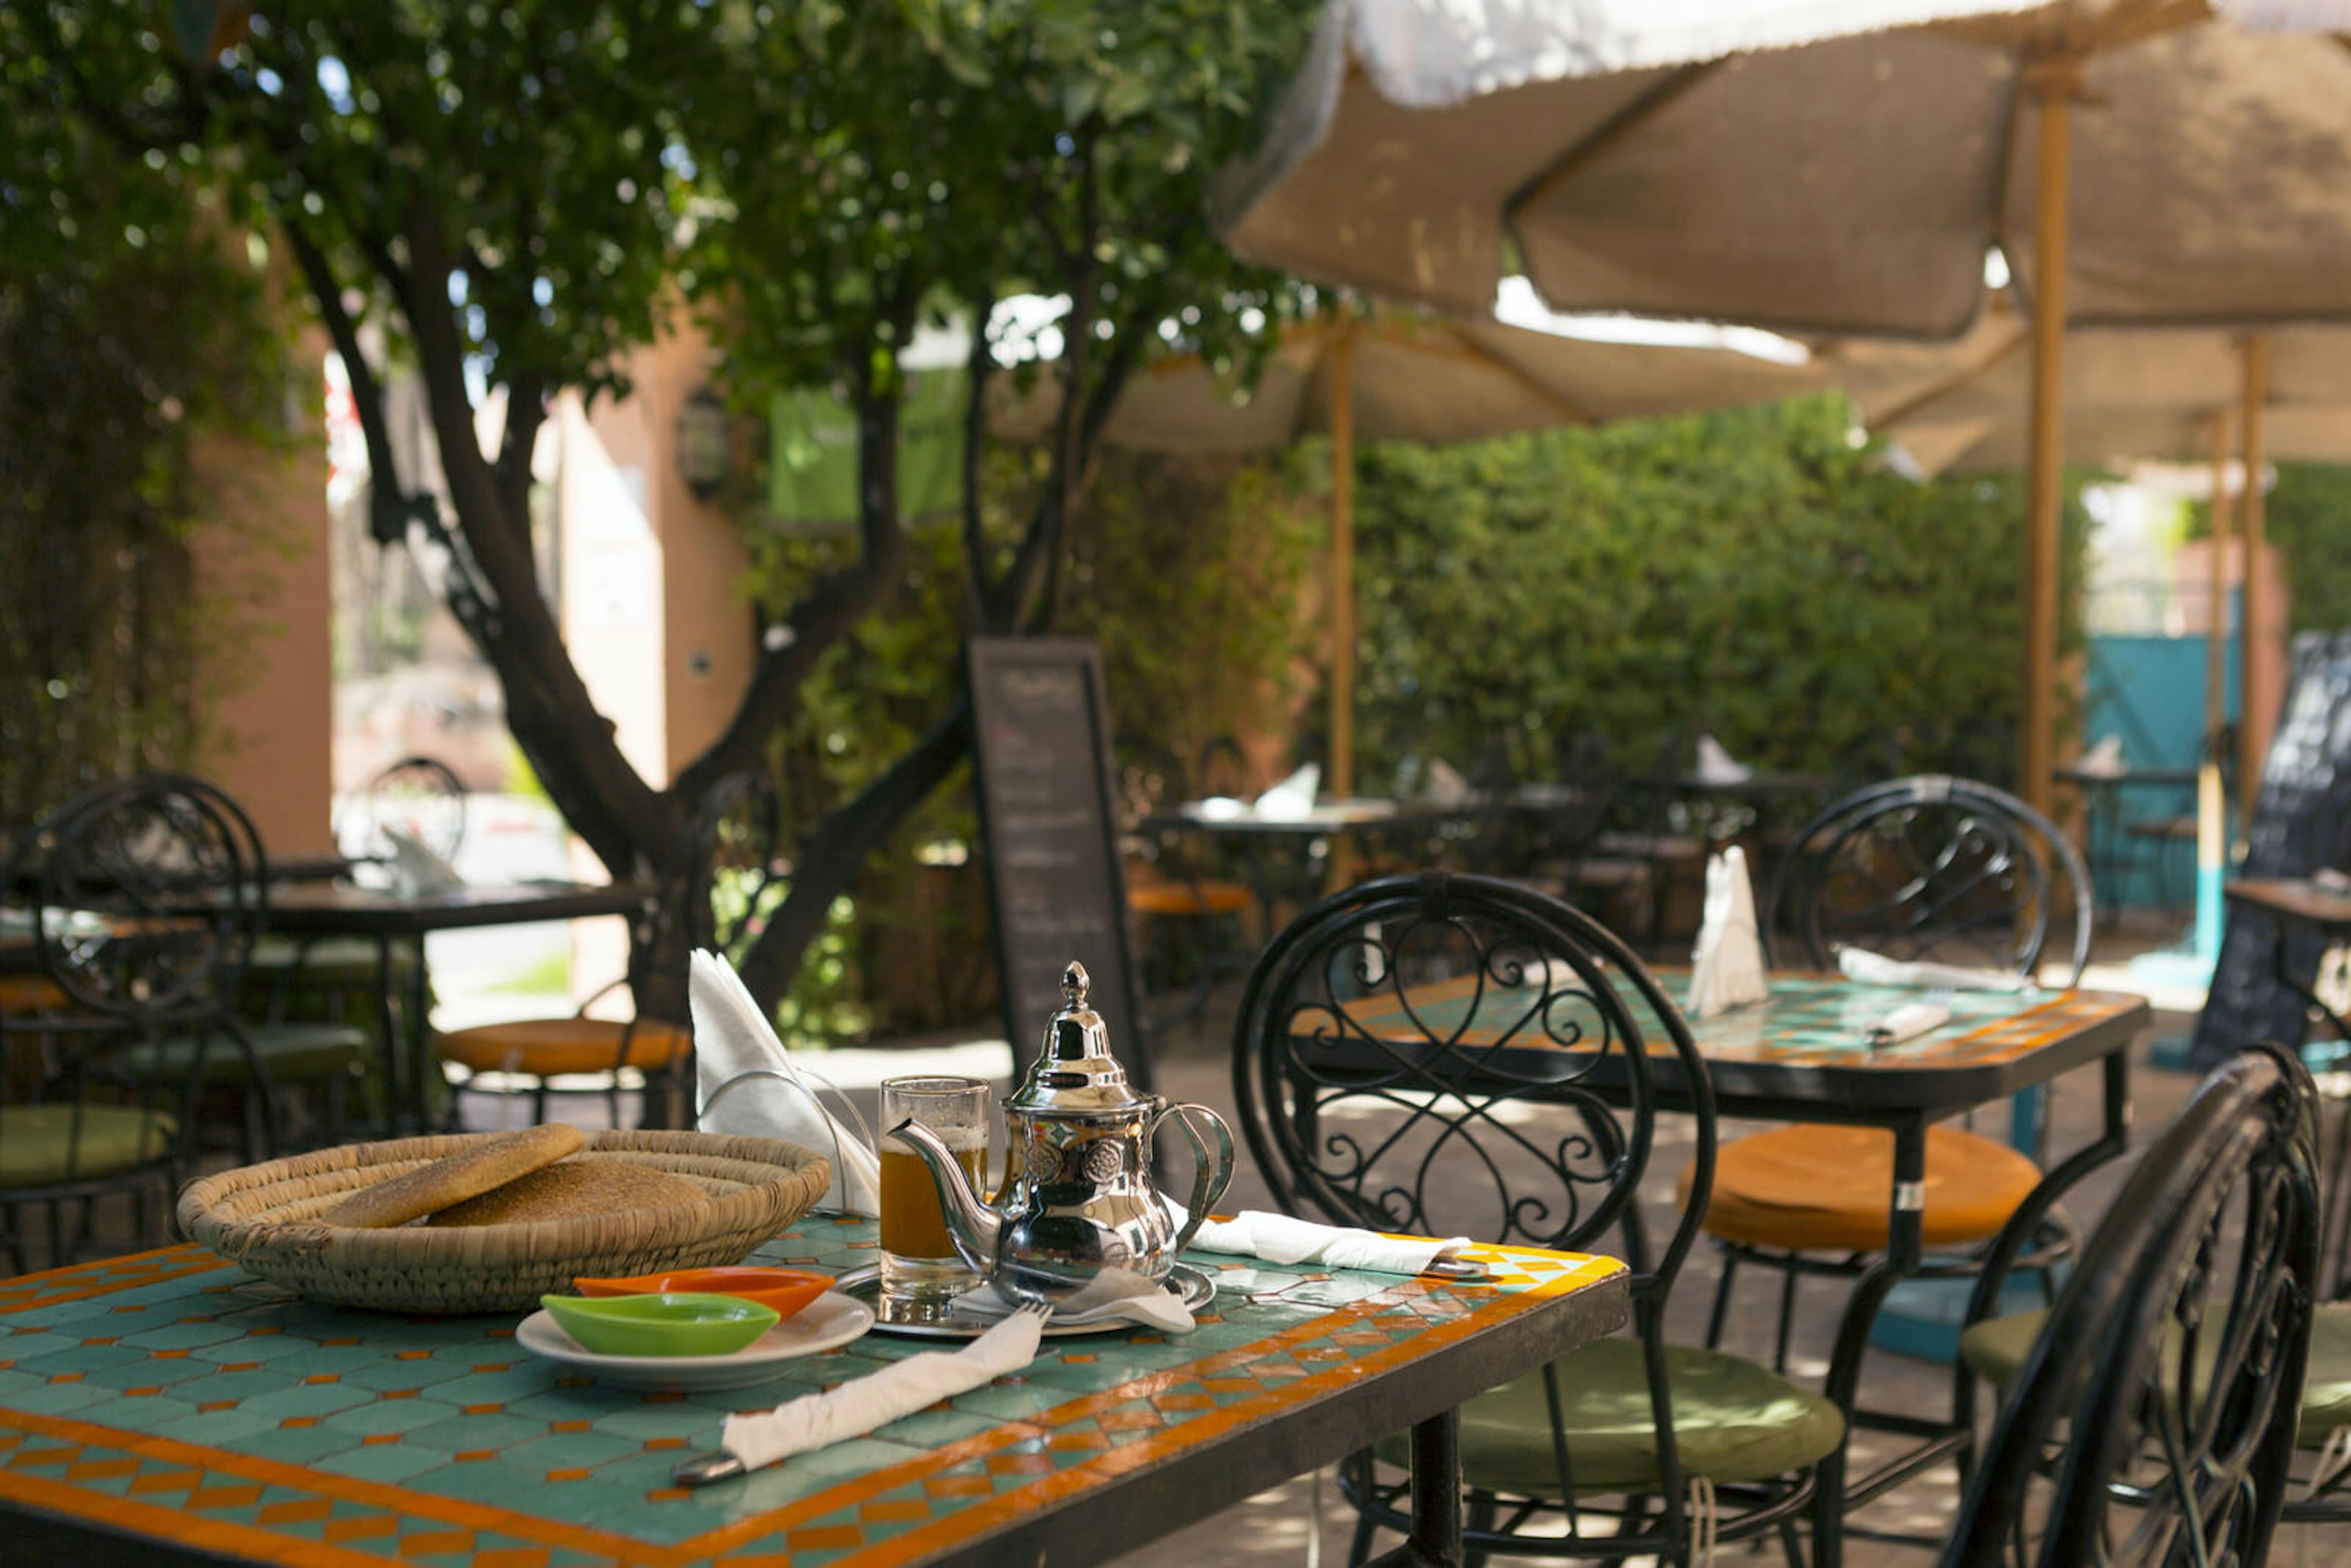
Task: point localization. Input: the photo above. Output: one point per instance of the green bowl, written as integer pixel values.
(670, 1325)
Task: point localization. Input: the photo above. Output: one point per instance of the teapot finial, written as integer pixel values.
(1075, 983)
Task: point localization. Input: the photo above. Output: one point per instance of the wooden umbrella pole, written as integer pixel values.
(1343, 561)
(2254, 712)
(2053, 81)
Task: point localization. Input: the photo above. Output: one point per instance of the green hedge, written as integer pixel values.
(1750, 574)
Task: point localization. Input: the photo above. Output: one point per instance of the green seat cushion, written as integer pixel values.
(1997, 1350)
(40, 1145)
(1733, 1421)
(293, 1052)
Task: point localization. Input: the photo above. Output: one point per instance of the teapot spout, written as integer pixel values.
(972, 1225)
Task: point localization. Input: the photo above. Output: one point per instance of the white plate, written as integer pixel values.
(830, 1321)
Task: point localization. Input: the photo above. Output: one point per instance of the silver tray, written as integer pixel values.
(865, 1285)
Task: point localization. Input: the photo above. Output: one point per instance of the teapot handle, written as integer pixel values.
(1210, 1177)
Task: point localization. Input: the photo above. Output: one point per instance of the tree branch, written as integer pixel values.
(388, 505)
(980, 581)
(837, 847)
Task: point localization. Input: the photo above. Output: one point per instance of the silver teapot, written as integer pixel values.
(1078, 1196)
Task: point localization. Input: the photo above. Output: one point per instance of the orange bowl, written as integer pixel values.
(785, 1290)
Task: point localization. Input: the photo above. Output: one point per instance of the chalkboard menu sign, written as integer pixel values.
(2311, 751)
(1050, 836)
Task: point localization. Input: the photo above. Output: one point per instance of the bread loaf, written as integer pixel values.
(571, 1188)
(488, 1164)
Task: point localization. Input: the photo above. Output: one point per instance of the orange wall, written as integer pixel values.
(266, 664)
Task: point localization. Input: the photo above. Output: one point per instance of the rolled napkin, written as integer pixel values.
(1867, 969)
(1292, 799)
(1116, 1295)
(1726, 966)
(1908, 1022)
(417, 869)
(1716, 766)
(1283, 1239)
(859, 1405)
(746, 1085)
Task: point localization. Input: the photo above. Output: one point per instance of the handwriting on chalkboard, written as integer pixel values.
(2309, 757)
(1050, 840)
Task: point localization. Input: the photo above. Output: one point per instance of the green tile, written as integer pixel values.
(143, 1414)
(308, 1399)
(385, 1416)
(478, 1480)
(1012, 1402)
(214, 1429)
(679, 1420)
(491, 1387)
(232, 1386)
(457, 1434)
(393, 1463)
(570, 1450)
(81, 1358)
(297, 1444)
(1085, 1379)
(589, 1403)
(388, 1374)
(58, 1398)
(932, 1428)
(151, 1374)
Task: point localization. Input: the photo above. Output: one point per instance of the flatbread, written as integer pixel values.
(487, 1166)
(571, 1188)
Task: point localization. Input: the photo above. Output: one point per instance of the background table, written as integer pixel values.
(165, 1409)
(385, 917)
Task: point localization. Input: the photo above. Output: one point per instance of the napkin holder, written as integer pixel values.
(1726, 967)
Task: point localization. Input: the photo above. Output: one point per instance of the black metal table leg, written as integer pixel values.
(420, 1037)
(386, 1112)
(1436, 1538)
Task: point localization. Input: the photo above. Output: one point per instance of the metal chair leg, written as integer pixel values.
(1787, 1321)
(1721, 1311)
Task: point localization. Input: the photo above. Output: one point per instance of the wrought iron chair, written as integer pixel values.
(147, 898)
(1923, 868)
(728, 876)
(2150, 1416)
(421, 796)
(1453, 1054)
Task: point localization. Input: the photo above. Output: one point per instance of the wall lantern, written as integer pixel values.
(706, 444)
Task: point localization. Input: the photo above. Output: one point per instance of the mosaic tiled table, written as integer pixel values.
(166, 1407)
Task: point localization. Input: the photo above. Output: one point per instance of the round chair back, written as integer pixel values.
(150, 893)
(1458, 1055)
(420, 796)
(2154, 1419)
(1937, 868)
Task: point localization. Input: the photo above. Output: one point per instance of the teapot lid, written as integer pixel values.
(1074, 1072)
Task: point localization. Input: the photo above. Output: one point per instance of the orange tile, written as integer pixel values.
(165, 1354)
(570, 1426)
(242, 1495)
(411, 1355)
(493, 1366)
(377, 1440)
(893, 1510)
(512, 1557)
(476, 1456)
(363, 1527)
(166, 1480)
(297, 1422)
(100, 1469)
(324, 1377)
(658, 1444)
(149, 1392)
(66, 1377)
(958, 1485)
(668, 1494)
(1077, 1442)
(824, 1538)
(212, 1404)
(437, 1542)
(297, 1510)
(491, 1409)
(240, 1366)
(398, 1393)
(1019, 1464)
(569, 1473)
(1129, 1420)
(29, 1458)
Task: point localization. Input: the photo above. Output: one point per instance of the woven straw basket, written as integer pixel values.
(265, 1216)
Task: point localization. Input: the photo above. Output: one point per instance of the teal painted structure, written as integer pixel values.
(2149, 693)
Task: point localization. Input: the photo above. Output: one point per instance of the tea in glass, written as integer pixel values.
(921, 1271)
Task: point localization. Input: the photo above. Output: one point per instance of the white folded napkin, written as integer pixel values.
(1867, 969)
(2103, 760)
(1220, 809)
(1716, 766)
(746, 1085)
(858, 1407)
(1292, 799)
(415, 868)
(1445, 786)
(1284, 1239)
(1726, 966)
(1114, 1295)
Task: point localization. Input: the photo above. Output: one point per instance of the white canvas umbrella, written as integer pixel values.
(1401, 377)
(1840, 167)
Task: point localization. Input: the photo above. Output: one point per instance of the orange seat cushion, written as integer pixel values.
(30, 993)
(547, 1047)
(1189, 898)
(1811, 1188)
